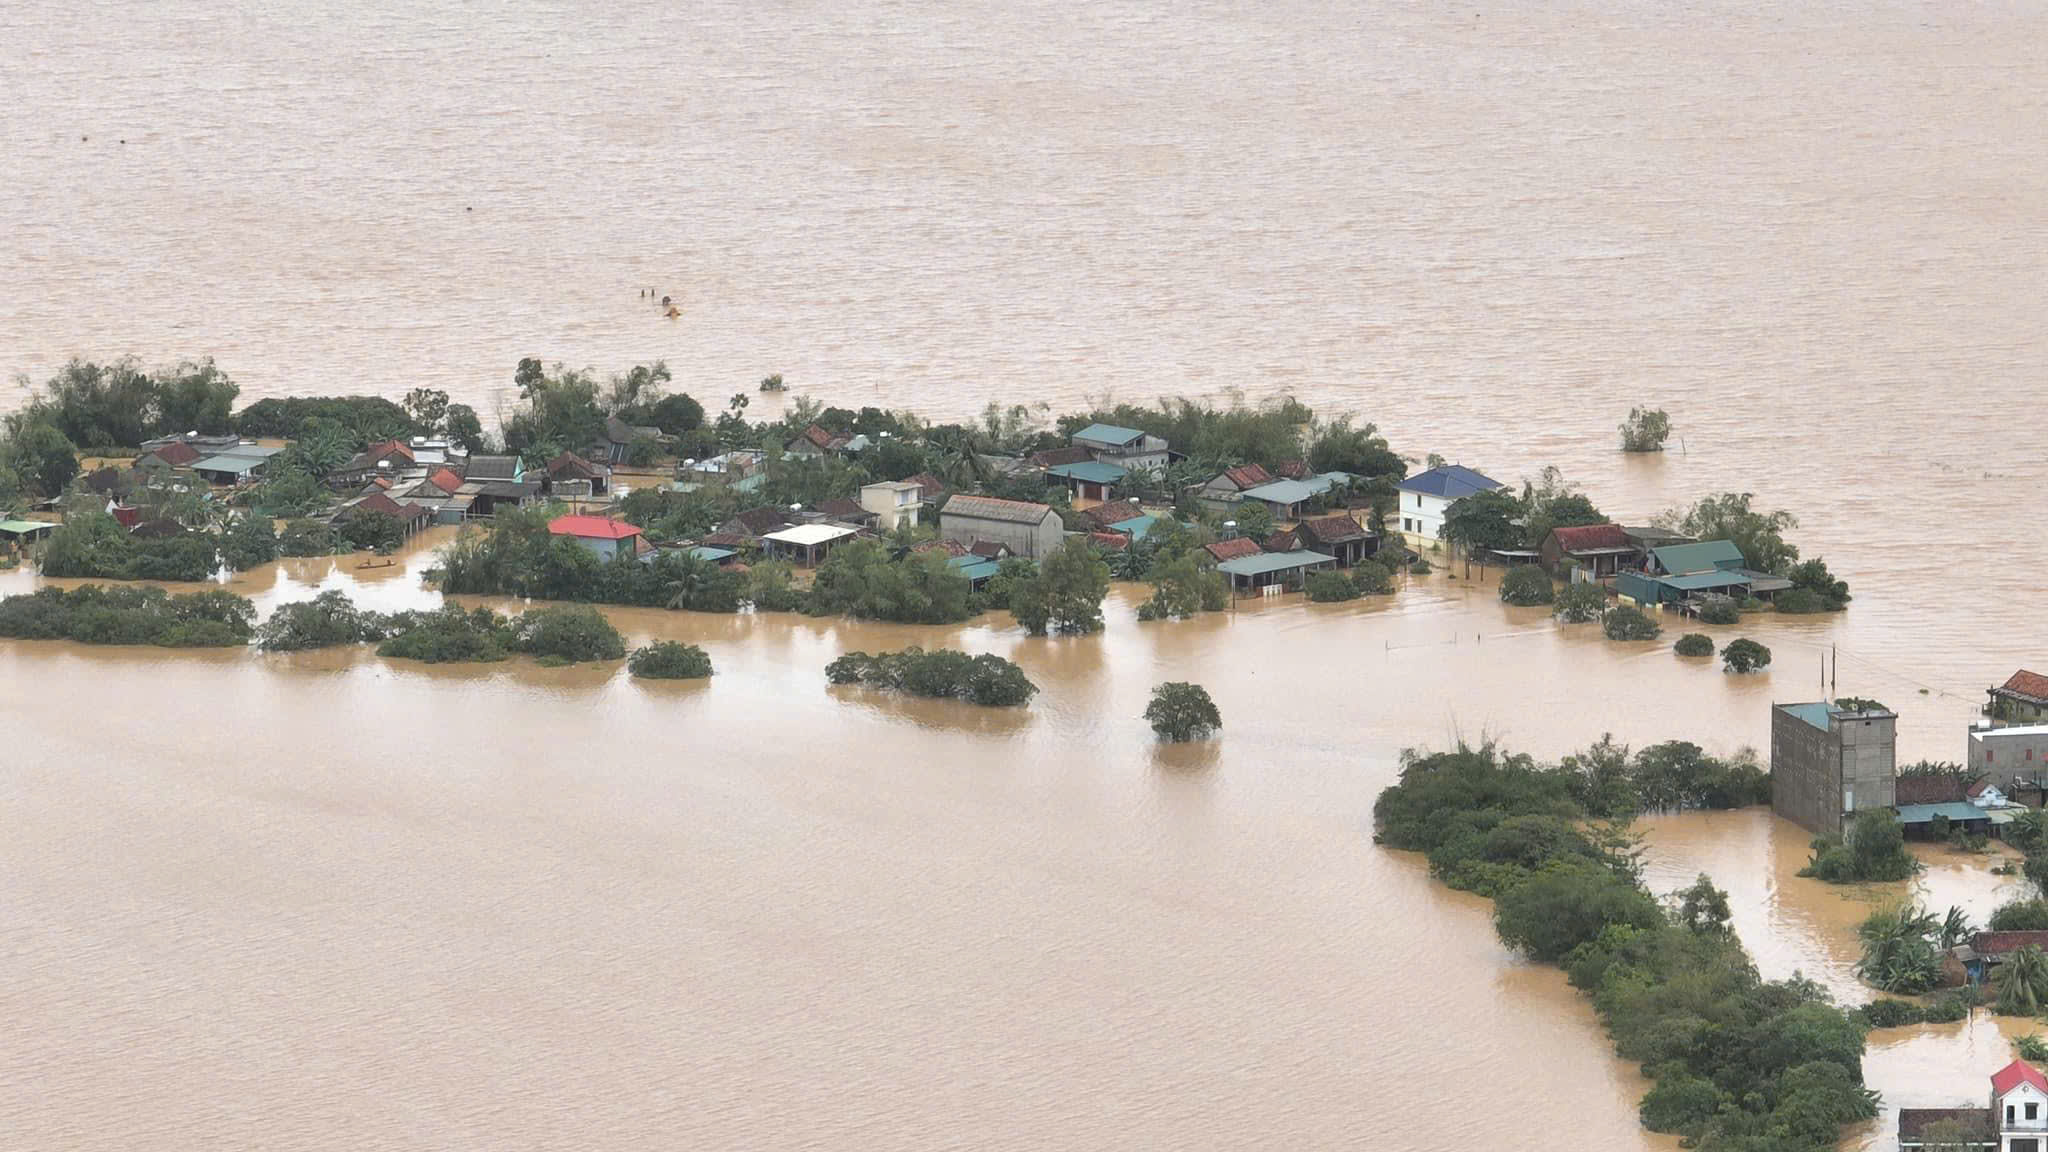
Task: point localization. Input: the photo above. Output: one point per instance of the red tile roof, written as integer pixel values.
(1114, 512)
(1248, 475)
(1331, 529)
(1976, 788)
(1234, 548)
(2015, 1074)
(592, 528)
(2000, 943)
(445, 479)
(1111, 541)
(2032, 685)
(1283, 541)
(823, 439)
(571, 465)
(1581, 537)
(949, 547)
(385, 505)
(1293, 469)
(389, 448)
(1054, 457)
(930, 487)
(177, 453)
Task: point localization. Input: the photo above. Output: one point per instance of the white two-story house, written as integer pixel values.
(1425, 496)
(2017, 1120)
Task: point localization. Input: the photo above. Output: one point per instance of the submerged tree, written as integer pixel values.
(1180, 712)
(1065, 594)
(1645, 430)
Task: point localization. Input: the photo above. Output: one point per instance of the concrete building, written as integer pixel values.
(1127, 448)
(893, 502)
(2022, 699)
(1829, 762)
(2016, 752)
(1029, 530)
(2016, 1121)
(1426, 495)
(604, 537)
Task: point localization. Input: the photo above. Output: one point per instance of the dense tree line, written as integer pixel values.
(1739, 1064)
(93, 545)
(93, 614)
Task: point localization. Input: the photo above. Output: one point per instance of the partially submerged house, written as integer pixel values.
(410, 517)
(1588, 552)
(619, 438)
(1675, 573)
(1235, 548)
(1221, 493)
(742, 470)
(1271, 573)
(571, 475)
(1283, 498)
(240, 464)
(509, 469)
(604, 537)
(385, 458)
(814, 441)
(1829, 762)
(1338, 536)
(2015, 1121)
(1426, 496)
(1029, 530)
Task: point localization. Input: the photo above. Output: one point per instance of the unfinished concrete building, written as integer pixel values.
(1829, 762)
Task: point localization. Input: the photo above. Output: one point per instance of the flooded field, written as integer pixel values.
(327, 902)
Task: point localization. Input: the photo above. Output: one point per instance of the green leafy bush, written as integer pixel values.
(1372, 578)
(1330, 587)
(247, 542)
(1720, 610)
(1526, 584)
(325, 621)
(1693, 644)
(1745, 655)
(1875, 850)
(987, 680)
(1580, 602)
(669, 660)
(567, 634)
(2020, 916)
(450, 635)
(306, 538)
(1625, 623)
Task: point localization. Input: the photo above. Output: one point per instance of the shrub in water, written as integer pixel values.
(1693, 644)
(1626, 623)
(669, 660)
(1525, 584)
(1745, 655)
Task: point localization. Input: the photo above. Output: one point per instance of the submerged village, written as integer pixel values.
(126, 488)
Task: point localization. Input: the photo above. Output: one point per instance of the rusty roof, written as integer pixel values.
(990, 508)
(1234, 548)
(2031, 685)
(1248, 475)
(1331, 529)
(1582, 537)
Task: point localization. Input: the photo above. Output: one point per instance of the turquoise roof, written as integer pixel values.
(1109, 434)
(975, 568)
(1925, 813)
(1324, 481)
(22, 527)
(1089, 472)
(1282, 492)
(1700, 557)
(1266, 562)
(706, 552)
(1814, 714)
(1701, 581)
(1136, 526)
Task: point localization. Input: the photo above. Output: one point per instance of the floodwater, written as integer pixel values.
(325, 901)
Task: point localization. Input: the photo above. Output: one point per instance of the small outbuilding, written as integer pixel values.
(806, 544)
(1282, 571)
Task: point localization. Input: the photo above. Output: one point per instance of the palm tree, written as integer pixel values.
(1898, 954)
(1955, 928)
(2022, 982)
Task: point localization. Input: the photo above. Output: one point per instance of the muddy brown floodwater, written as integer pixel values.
(327, 902)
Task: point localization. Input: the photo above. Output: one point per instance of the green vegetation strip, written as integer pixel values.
(1740, 1064)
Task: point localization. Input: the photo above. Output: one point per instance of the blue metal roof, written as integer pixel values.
(1925, 813)
(1324, 481)
(1450, 481)
(1814, 714)
(1089, 471)
(975, 568)
(1136, 526)
(1109, 434)
(1266, 562)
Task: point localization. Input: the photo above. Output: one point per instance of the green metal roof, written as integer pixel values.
(1814, 714)
(1109, 434)
(23, 527)
(1925, 813)
(1700, 557)
(1701, 581)
(976, 567)
(706, 552)
(1089, 472)
(1266, 562)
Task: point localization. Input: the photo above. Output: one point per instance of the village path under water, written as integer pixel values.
(327, 901)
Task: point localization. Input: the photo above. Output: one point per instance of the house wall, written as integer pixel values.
(2018, 711)
(1034, 541)
(1149, 453)
(890, 507)
(1806, 778)
(2017, 1100)
(2003, 753)
(1869, 759)
(1422, 515)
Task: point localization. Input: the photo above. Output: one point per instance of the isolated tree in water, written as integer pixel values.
(1180, 712)
(1065, 594)
(1645, 430)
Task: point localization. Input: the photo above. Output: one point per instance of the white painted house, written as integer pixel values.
(2017, 1120)
(893, 502)
(1426, 495)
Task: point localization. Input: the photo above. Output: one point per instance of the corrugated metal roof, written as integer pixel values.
(1109, 434)
(974, 567)
(1266, 562)
(1281, 492)
(1924, 813)
(705, 552)
(1700, 557)
(19, 527)
(235, 464)
(990, 508)
(1089, 472)
(1701, 581)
